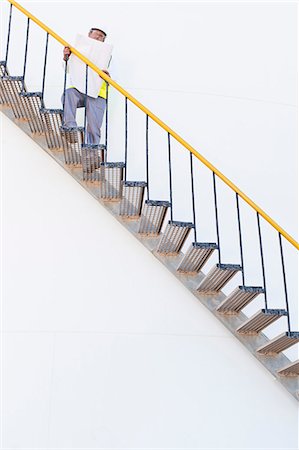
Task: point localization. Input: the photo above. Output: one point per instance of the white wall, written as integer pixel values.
(102, 347)
(223, 74)
(237, 104)
(238, 108)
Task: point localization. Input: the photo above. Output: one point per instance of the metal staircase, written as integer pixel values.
(130, 203)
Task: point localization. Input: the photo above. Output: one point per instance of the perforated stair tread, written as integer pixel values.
(196, 257)
(112, 177)
(92, 157)
(261, 320)
(152, 217)
(217, 278)
(3, 72)
(11, 87)
(280, 343)
(52, 122)
(32, 104)
(132, 198)
(238, 299)
(72, 139)
(174, 237)
(291, 370)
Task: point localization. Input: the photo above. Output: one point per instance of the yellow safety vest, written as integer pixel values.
(103, 90)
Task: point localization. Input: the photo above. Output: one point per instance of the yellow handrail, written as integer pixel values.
(159, 122)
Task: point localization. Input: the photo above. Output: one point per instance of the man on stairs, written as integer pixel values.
(95, 107)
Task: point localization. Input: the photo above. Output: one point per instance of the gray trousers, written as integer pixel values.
(95, 109)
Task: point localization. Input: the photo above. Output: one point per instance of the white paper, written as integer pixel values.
(99, 53)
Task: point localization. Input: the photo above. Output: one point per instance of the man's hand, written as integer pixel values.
(106, 72)
(66, 53)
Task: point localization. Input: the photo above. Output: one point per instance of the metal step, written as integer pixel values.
(280, 343)
(3, 72)
(174, 237)
(52, 122)
(217, 278)
(92, 157)
(11, 88)
(238, 299)
(261, 320)
(32, 103)
(152, 217)
(3, 98)
(131, 203)
(112, 177)
(291, 370)
(196, 257)
(72, 139)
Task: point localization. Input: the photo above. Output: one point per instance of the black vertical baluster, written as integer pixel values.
(106, 131)
(8, 35)
(45, 65)
(64, 83)
(193, 200)
(146, 146)
(262, 259)
(170, 178)
(284, 282)
(126, 138)
(25, 56)
(85, 106)
(240, 238)
(67, 156)
(216, 217)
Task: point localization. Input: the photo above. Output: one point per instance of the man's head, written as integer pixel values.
(97, 34)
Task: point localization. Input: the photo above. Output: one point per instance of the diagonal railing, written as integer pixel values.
(151, 213)
(159, 122)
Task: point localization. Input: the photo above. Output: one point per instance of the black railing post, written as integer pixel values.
(193, 199)
(106, 125)
(64, 83)
(126, 138)
(284, 282)
(146, 149)
(216, 218)
(262, 259)
(170, 177)
(240, 238)
(45, 65)
(85, 105)
(8, 35)
(25, 56)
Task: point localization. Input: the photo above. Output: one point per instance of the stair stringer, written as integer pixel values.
(271, 363)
